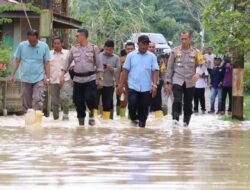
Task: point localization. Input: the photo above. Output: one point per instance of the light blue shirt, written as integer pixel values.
(140, 67)
(32, 61)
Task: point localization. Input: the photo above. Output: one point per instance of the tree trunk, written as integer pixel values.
(238, 73)
(238, 90)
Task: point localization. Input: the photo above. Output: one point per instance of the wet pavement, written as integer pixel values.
(210, 154)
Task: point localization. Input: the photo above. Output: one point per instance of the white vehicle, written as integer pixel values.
(161, 44)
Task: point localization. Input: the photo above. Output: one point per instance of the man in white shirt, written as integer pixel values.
(199, 94)
(209, 58)
(59, 94)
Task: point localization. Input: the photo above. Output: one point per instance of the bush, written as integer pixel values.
(5, 55)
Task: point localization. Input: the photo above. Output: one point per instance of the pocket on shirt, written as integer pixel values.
(89, 57)
(77, 56)
(179, 64)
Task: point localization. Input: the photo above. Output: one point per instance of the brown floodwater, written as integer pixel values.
(210, 154)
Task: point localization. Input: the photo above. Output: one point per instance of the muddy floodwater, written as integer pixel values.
(210, 154)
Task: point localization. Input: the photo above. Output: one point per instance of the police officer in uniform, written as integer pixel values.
(87, 65)
(181, 77)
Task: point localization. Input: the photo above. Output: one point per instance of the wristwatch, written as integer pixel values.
(47, 79)
(154, 85)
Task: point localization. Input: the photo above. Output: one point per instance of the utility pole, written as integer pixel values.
(45, 31)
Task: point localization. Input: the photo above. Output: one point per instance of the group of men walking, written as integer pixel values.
(141, 80)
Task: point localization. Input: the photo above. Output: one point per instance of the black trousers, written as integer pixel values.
(157, 101)
(182, 93)
(107, 93)
(84, 93)
(225, 91)
(138, 105)
(199, 97)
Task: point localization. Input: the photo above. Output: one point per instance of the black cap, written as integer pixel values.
(143, 38)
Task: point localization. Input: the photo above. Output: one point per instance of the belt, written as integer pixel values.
(84, 74)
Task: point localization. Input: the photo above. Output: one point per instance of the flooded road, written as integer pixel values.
(210, 154)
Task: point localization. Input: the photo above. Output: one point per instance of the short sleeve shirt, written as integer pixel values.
(140, 67)
(32, 61)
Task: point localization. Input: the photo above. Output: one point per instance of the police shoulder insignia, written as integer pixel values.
(200, 59)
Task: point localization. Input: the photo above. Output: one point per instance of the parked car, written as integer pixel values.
(161, 44)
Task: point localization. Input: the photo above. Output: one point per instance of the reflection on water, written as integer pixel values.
(211, 154)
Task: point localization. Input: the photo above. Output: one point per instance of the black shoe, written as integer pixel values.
(142, 124)
(186, 119)
(195, 111)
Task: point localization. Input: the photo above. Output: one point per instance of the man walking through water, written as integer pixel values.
(111, 63)
(181, 77)
(87, 63)
(60, 95)
(142, 70)
(122, 102)
(33, 56)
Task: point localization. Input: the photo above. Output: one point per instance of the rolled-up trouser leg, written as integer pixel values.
(38, 95)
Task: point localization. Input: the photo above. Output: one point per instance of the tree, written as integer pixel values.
(229, 20)
(109, 18)
(195, 10)
(120, 18)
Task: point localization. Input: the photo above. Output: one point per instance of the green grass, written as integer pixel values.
(247, 107)
(246, 111)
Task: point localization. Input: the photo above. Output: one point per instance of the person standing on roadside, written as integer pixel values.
(227, 86)
(216, 75)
